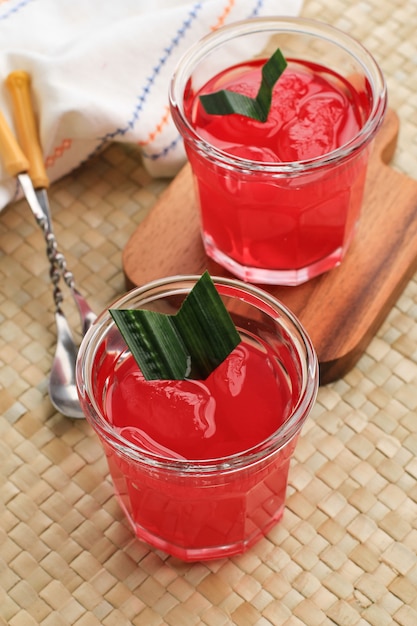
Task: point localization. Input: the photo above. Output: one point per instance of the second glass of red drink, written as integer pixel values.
(280, 200)
(200, 467)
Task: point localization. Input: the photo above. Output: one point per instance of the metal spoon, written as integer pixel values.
(19, 85)
(62, 385)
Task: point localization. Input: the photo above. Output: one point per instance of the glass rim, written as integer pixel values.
(181, 284)
(288, 25)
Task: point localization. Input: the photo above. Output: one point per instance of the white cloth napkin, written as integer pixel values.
(100, 72)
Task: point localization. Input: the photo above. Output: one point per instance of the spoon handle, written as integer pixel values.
(58, 268)
(14, 160)
(19, 85)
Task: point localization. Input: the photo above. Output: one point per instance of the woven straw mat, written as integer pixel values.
(345, 551)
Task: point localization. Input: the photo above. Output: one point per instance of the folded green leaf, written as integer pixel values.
(189, 344)
(226, 102)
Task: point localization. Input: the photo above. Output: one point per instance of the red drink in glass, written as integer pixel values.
(241, 404)
(313, 113)
(201, 467)
(280, 201)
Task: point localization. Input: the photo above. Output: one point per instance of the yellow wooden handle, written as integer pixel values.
(14, 160)
(18, 83)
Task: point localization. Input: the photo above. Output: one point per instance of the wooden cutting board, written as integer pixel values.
(341, 310)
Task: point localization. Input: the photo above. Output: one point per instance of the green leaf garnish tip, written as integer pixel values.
(226, 102)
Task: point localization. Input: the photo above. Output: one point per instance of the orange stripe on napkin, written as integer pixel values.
(222, 18)
(58, 152)
(157, 130)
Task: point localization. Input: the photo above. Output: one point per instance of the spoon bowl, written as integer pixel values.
(62, 386)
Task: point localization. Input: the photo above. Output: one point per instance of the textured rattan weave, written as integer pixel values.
(345, 552)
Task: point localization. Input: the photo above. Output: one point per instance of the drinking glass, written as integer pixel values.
(282, 220)
(210, 507)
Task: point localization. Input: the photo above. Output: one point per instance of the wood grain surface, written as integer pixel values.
(341, 310)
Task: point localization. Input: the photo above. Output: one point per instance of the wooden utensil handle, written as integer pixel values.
(14, 160)
(18, 83)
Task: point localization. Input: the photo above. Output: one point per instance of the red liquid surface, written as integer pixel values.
(242, 403)
(284, 223)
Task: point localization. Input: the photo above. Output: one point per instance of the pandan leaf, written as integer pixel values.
(189, 344)
(226, 102)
